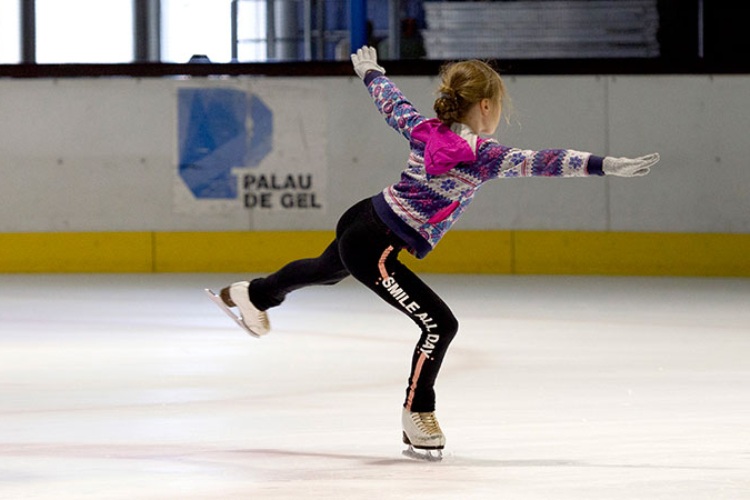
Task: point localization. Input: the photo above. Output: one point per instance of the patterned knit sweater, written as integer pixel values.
(446, 167)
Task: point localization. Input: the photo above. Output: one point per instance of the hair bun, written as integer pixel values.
(447, 105)
(449, 94)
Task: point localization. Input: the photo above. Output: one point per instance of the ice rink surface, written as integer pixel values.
(138, 387)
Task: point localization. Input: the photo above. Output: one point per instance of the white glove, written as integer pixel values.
(629, 167)
(366, 59)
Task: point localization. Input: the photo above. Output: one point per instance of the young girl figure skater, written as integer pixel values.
(448, 161)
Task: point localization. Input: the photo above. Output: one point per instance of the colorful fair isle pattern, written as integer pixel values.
(418, 197)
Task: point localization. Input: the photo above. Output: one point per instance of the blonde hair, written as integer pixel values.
(463, 84)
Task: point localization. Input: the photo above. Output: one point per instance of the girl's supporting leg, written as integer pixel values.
(370, 252)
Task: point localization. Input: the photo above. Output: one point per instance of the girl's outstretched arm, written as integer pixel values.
(398, 112)
(502, 161)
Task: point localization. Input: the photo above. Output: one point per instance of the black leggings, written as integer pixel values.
(368, 250)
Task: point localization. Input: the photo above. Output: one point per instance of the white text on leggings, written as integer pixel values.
(412, 307)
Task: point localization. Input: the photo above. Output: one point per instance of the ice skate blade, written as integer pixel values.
(237, 319)
(423, 454)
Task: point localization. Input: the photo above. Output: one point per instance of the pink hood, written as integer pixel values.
(444, 149)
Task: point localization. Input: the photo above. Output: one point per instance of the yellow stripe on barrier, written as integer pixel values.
(241, 251)
(470, 252)
(627, 254)
(76, 252)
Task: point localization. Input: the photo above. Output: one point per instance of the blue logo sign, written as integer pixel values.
(220, 129)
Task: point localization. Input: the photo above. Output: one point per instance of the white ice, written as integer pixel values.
(138, 387)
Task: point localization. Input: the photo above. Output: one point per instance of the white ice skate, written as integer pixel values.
(422, 433)
(252, 320)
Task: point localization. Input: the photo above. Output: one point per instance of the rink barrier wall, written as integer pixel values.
(470, 252)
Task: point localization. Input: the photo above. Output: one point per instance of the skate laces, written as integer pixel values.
(426, 422)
